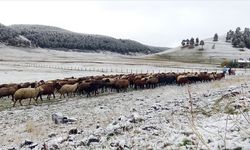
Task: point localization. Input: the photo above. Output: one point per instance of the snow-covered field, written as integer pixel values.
(145, 119)
(222, 51)
(157, 118)
(23, 65)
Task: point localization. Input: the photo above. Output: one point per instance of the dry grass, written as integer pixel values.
(30, 127)
(226, 106)
(192, 122)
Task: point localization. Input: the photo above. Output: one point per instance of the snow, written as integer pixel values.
(243, 60)
(222, 51)
(24, 65)
(157, 118)
(161, 118)
(24, 38)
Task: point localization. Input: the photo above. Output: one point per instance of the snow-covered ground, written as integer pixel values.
(222, 51)
(24, 65)
(145, 119)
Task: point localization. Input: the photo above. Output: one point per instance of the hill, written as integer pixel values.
(61, 39)
(222, 51)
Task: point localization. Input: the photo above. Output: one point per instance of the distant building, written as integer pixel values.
(243, 62)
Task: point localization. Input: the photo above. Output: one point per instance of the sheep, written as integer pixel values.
(121, 84)
(25, 93)
(152, 82)
(67, 89)
(183, 79)
(9, 91)
(139, 82)
(90, 86)
(48, 89)
(86, 86)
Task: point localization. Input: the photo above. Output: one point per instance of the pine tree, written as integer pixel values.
(215, 37)
(202, 43)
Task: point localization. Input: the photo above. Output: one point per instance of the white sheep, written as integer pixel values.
(68, 89)
(25, 93)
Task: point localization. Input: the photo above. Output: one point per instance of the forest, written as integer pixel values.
(61, 39)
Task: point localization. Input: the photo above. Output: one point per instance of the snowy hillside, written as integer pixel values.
(61, 39)
(222, 51)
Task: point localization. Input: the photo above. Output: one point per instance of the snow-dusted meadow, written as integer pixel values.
(159, 118)
(24, 65)
(145, 119)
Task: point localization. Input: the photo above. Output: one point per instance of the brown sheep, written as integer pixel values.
(9, 91)
(121, 84)
(67, 89)
(110, 84)
(48, 89)
(25, 93)
(182, 79)
(219, 76)
(152, 82)
(140, 82)
(90, 86)
(83, 86)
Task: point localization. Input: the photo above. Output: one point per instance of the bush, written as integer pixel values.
(230, 64)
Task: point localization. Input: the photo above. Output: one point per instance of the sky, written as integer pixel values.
(155, 22)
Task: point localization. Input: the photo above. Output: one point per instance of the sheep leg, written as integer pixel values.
(36, 101)
(30, 101)
(54, 95)
(14, 103)
(40, 97)
(12, 98)
(20, 102)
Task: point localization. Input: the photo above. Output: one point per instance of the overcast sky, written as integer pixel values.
(158, 23)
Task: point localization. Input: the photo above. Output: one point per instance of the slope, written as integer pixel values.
(61, 39)
(222, 51)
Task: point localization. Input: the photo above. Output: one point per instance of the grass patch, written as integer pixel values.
(29, 127)
(5, 104)
(186, 142)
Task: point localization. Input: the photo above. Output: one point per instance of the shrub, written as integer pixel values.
(230, 64)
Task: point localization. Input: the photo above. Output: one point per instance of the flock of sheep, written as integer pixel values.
(92, 85)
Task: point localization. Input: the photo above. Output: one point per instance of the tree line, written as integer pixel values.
(191, 43)
(57, 38)
(238, 38)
